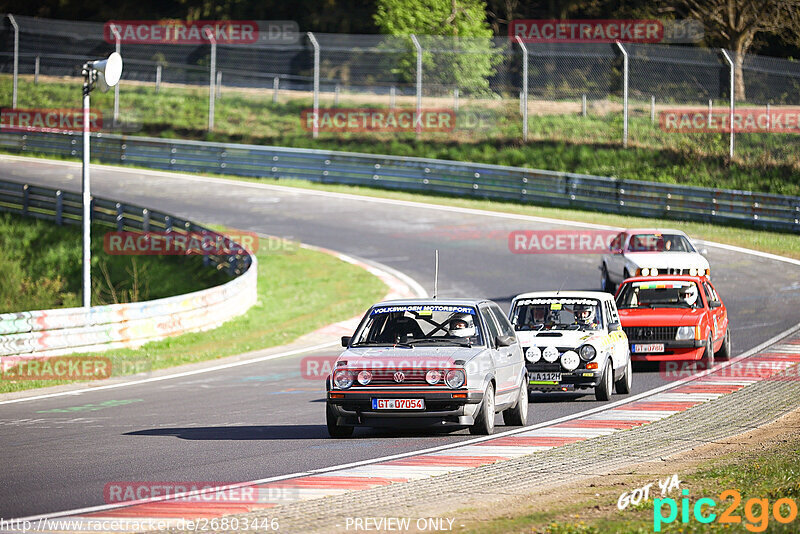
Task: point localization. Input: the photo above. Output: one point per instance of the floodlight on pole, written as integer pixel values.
(103, 73)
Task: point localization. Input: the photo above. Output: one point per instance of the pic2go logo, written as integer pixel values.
(756, 511)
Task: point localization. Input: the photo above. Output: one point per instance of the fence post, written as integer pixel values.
(392, 96)
(219, 83)
(336, 96)
(275, 84)
(36, 70)
(710, 110)
(624, 95)
(524, 99)
(769, 119)
(652, 109)
(158, 78)
(419, 83)
(120, 217)
(117, 39)
(25, 199)
(16, 59)
(211, 77)
(583, 105)
(315, 44)
(455, 99)
(145, 220)
(733, 96)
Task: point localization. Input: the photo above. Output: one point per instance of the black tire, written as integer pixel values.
(336, 430)
(602, 391)
(623, 385)
(518, 415)
(724, 352)
(605, 281)
(708, 354)
(626, 275)
(484, 422)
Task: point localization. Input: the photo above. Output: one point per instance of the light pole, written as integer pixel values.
(103, 73)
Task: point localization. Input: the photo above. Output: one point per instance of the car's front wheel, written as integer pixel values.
(602, 391)
(623, 385)
(518, 415)
(725, 350)
(484, 423)
(708, 354)
(336, 430)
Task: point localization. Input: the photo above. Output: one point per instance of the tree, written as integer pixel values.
(457, 42)
(736, 23)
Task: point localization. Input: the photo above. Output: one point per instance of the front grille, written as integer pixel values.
(651, 333)
(411, 377)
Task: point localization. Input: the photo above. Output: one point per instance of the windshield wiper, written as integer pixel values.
(381, 344)
(450, 341)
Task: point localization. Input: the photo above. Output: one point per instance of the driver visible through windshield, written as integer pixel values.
(557, 314)
(660, 294)
(411, 325)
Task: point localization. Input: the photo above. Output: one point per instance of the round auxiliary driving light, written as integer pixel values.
(364, 378)
(550, 354)
(570, 360)
(533, 354)
(433, 377)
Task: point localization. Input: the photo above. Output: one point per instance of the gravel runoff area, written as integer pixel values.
(752, 406)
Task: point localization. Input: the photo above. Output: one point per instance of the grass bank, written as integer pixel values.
(560, 141)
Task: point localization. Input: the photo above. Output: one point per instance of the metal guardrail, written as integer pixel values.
(470, 180)
(61, 331)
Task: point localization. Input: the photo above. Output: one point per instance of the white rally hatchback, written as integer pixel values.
(572, 340)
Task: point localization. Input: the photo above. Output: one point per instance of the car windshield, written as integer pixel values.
(410, 325)
(659, 243)
(557, 314)
(659, 294)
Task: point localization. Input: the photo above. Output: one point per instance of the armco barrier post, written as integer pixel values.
(16, 59)
(315, 44)
(524, 99)
(419, 82)
(624, 95)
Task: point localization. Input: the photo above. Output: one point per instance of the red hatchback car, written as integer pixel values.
(673, 318)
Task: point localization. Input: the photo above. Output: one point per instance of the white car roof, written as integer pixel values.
(599, 295)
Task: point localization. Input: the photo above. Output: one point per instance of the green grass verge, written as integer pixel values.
(41, 266)
(770, 474)
(299, 290)
(560, 141)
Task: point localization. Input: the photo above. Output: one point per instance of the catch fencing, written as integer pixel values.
(464, 180)
(537, 91)
(44, 333)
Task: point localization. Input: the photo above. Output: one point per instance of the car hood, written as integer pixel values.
(557, 338)
(398, 357)
(660, 316)
(663, 260)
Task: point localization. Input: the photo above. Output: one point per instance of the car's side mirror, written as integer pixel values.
(346, 340)
(704, 251)
(616, 251)
(505, 341)
(614, 327)
(714, 304)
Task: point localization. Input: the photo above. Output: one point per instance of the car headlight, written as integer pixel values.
(587, 352)
(693, 271)
(533, 354)
(653, 271)
(343, 379)
(570, 360)
(433, 377)
(455, 378)
(364, 378)
(685, 332)
(550, 354)
(644, 272)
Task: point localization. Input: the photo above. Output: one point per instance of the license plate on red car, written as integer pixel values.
(649, 347)
(398, 404)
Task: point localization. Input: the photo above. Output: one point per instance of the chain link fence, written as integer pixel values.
(575, 91)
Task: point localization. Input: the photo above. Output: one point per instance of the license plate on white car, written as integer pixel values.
(398, 404)
(650, 347)
(544, 377)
